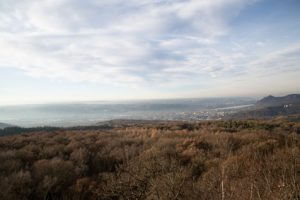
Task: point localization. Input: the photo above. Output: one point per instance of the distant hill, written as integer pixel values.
(278, 101)
(266, 112)
(3, 125)
(270, 106)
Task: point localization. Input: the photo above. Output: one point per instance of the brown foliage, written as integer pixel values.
(176, 160)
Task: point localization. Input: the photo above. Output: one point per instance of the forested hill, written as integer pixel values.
(3, 125)
(271, 106)
(278, 101)
(171, 160)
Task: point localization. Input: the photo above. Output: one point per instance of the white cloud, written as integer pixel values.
(121, 42)
(278, 61)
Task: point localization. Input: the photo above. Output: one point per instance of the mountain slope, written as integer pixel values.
(278, 101)
(271, 106)
(3, 125)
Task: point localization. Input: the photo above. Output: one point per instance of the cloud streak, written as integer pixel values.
(112, 40)
(130, 42)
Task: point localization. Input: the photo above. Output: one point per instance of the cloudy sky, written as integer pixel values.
(73, 50)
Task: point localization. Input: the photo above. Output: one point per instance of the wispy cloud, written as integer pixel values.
(114, 41)
(287, 59)
(134, 42)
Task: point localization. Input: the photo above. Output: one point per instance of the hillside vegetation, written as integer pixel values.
(267, 112)
(278, 101)
(269, 107)
(175, 160)
(4, 125)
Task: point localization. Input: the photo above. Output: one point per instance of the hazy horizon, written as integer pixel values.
(111, 50)
(143, 100)
(89, 113)
(122, 100)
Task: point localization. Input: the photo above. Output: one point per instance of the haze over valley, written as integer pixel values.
(89, 113)
(150, 99)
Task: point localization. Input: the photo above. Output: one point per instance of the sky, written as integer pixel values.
(74, 50)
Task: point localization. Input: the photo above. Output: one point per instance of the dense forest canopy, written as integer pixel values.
(176, 160)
